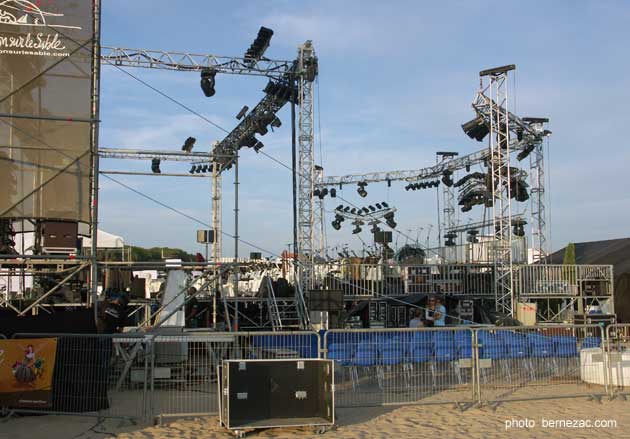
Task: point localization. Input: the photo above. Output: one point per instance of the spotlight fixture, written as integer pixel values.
(189, 143)
(357, 227)
(339, 208)
(242, 113)
(353, 211)
(258, 47)
(346, 209)
(207, 81)
(468, 167)
(276, 123)
(518, 227)
(389, 219)
(193, 169)
(447, 178)
(385, 205)
(322, 193)
(258, 146)
(366, 210)
(155, 166)
(450, 239)
(316, 193)
(333, 193)
(476, 129)
(361, 189)
(372, 208)
(205, 168)
(379, 206)
(472, 236)
(375, 228)
(336, 225)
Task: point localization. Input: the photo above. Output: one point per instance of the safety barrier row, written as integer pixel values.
(144, 376)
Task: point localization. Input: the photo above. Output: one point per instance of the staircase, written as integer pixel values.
(284, 313)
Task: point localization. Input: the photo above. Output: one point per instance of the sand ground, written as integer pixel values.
(418, 421)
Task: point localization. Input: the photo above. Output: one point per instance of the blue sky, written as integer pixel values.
(396, 82)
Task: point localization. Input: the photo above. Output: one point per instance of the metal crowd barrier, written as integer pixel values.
(184, 367)
(401, 366)
(98, 375)
(142, 376)
(618, 350)
(534, 363)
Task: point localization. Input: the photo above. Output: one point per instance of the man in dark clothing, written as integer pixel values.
(192, 309)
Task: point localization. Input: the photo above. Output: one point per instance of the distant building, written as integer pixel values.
(615, 252)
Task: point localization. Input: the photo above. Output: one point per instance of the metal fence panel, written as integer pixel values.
(618, 355)
(98, 375)
(522, 363)
(401, 366)
(184, 379)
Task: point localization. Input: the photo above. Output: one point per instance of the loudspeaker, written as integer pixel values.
(59, 236)
(205, 236)
(382, 237)
(325, 300)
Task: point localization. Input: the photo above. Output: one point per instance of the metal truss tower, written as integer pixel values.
(306, 167)
(448, 208)
(493, 98)
(537, 196)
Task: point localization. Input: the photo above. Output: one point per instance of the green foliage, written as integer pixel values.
(141, 254)
(569, 254)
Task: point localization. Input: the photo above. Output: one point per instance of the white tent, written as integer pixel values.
(105, 240)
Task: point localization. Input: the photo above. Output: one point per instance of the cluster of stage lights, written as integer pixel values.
(422, 185)
(342, 211)
(200, 169)
(321, 193)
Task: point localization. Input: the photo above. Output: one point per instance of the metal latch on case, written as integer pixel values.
(300, 394)
(241, 395)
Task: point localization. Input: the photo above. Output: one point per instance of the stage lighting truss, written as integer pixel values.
(373, 214)
(474, 191)
(257, 121)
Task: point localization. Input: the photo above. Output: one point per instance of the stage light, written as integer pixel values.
(250, 142)
(446, 178)
(193, 169)
(243, 112)
(336, 225)
(379, 206)
(476, 129)
(468, 168)
(357, 227)
(375, 228)
(372, 208)
(450, 239)
(189, 143)
(208, 81)
(258, 146)
(316, 193)
(205, 168)
(385, 205)
(155, 166)
(259, 46)
(366, 210)
(408, 187)
(353, 211)
(198, 170)
(472, 236)
(361, 189)
(333, 193)
(339, 208)
(525, 152)
(323, 193)
(276, 123)
(346, 209)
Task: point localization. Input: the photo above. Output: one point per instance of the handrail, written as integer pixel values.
(273, 308)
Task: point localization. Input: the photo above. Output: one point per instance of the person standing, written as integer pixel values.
(439, 315)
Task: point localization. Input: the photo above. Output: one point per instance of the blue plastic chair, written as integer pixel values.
(591, 342)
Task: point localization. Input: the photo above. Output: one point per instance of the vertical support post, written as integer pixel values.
(236, 238)
(94, 125)
(217, 200)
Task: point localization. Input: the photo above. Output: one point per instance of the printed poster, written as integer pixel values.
(26, 372)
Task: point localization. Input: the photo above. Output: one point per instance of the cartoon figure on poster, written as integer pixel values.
(28, 369)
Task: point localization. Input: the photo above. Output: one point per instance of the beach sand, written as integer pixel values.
(417, 421)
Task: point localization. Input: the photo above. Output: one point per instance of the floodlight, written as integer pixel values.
(207, 81)
(189, 143)
(476, 129)
(155, 166)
